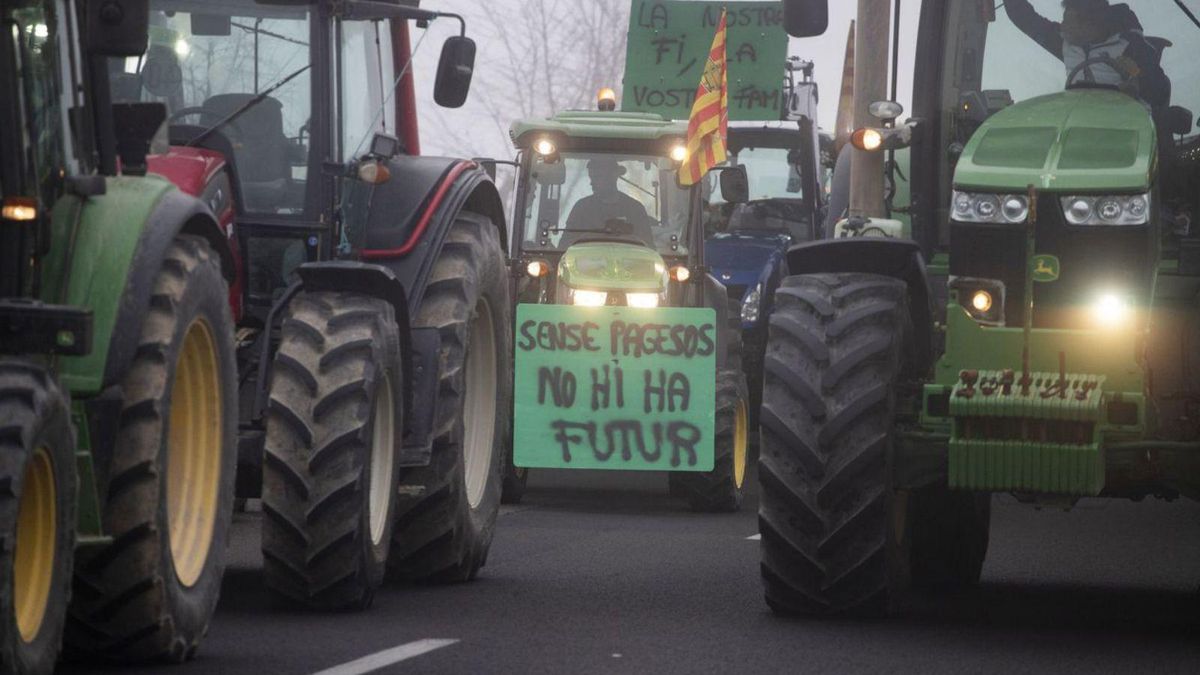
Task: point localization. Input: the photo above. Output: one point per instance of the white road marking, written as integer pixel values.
(386, 657)
(754, 537)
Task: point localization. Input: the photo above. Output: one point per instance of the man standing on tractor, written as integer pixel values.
(608, 203)
(1100, 44)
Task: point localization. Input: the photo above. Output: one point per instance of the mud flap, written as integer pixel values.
(418, 428)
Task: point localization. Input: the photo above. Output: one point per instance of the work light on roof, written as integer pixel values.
(606, 99)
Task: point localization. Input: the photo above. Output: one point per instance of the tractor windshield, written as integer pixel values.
(1146, 48)
(235, 70)
(581, 195)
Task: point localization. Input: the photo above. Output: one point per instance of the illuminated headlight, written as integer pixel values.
(1107, 210)
(752, 305)
(589, 298)
(643, 300)
(982, 298)
(1110, 310)
(970, 207)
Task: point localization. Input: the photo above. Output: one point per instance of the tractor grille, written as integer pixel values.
(1093, 259)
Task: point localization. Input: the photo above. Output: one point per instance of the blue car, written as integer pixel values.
(747, 246)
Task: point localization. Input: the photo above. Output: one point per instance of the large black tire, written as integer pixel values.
(834, 530)
(330, 470)
(37, 517)
(169, 495)
(447, 511)
(722, 489)
(950, 537)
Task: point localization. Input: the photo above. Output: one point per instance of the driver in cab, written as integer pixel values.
(607, 203)
(1104, 42)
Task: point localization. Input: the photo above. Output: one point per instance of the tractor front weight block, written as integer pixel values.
(1038, 423)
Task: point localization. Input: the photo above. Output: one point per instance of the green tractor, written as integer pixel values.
(604, 236)
(118, 406)
(1028, 324)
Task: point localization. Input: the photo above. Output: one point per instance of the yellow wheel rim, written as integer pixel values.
(194, 453)
(37, 537)
(741, 441)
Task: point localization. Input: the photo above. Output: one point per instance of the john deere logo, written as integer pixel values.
(1046, 268)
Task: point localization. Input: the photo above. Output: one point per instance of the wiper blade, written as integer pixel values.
(204, 135)
(263, 31)
(1188, 12)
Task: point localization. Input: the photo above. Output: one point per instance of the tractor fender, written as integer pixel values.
(347, 276)
(897, 258)
(411, 214)
(106, 253)
(418, 348)
(175, 214)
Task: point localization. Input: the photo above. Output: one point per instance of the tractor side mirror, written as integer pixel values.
(455, 68)
(735, 184)
(117, 27)
(1179, 120)
(806, 18)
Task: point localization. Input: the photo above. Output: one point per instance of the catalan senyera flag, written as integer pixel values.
(708, 125)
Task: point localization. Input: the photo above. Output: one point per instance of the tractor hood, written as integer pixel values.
(1077, 140)
(603, 266)
(739, 258)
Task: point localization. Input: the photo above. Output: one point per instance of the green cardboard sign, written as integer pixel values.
(614, 388)
(669, 41)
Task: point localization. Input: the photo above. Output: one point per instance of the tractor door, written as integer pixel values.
(366, 77)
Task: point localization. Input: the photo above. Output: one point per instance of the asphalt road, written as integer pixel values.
(605, 573)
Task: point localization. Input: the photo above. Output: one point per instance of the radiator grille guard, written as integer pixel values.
(1035, 435)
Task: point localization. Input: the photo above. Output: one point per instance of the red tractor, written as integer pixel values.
(373, 318)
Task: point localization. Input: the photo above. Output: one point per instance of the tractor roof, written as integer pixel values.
(597, 124)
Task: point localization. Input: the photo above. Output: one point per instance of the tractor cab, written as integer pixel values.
(271, 106)
(601, 218)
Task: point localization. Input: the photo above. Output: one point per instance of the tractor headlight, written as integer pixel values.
(643, 300)
(1111, 310)
(588, 298)
(1107, 210)
(982, 298)
(752, 305)
(971, 207)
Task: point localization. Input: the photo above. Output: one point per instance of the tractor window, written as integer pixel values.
(1025, 54)
(35, 32)
(210, 69)
(586, 194)
(367, 80)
